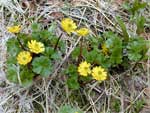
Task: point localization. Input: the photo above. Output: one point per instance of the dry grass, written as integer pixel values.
(47, 95)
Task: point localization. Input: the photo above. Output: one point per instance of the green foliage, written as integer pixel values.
(103, 60)
(115, 104)
(136, 49)
(42, 65)
(12, 74)
(92, 56)
(139, 104)
(76, 52)
(114, 45)
(35, 27)
(108, 50)
(13, 47)
(72, 81)
(53, 55)
(52, 28)
(26, 77)
(140, 24)
(124, 30)
(69, 109)
(114, 57)
(136, 6)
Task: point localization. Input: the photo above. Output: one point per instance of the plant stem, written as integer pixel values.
(20, 43)
(81, 47)
(57, 42)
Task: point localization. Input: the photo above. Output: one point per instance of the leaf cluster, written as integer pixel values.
(41, 64)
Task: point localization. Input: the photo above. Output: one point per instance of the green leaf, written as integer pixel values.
(11, 60)
(140, 24)
(116, 56)
(71, 69)
(72, 81)
(11, 73)
(95, 41)
(24, 38)
(134, 56)
(13, 47)
(126, 5)
(26, 77)
(35, 36)
(46, 36)
(139, 104)
(92, 55)
(35, 27)
(42, 65)
(49, 51)
(76, 52)
(114, 45)
(56, 56)
(136, 49)
(137, 6)
(124, 29)
(52, 28)
(103, 60)
(69, 109)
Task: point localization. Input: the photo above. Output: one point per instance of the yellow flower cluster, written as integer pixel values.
(25, 57)
(98, 73)
(69, 26)
(36, 47)
(14, 29)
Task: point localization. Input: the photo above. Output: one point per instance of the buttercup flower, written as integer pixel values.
(84, 68)
(82, 32)
(36, 47)
(105, 49)
(99, 73)
(24, 57)
(68, 25)
(14, 29)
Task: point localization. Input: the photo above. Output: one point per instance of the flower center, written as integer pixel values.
(86, 68)
(24, 58)
(99, 72)
(69, 25)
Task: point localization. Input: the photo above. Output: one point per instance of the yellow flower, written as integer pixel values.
(82, 32)
(84, 68)
(105, 49)
(99, 73)
(24, 57)
(14, 29)
(68, 25)
(36, 47)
